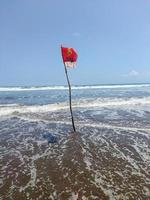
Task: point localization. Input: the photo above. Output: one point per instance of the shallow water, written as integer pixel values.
(108, 157)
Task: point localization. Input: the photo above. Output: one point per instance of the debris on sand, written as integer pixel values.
(50, 138)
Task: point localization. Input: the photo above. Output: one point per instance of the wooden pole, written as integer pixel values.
(70, 98)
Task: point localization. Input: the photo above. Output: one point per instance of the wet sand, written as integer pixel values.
(105, 159)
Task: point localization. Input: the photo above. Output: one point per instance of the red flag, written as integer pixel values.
(69, 56)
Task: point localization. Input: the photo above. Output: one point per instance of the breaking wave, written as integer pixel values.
(17, 89)
(8, 109)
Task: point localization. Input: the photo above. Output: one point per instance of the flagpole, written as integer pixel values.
(70, 98)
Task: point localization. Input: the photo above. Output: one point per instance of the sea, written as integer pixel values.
(107, 158)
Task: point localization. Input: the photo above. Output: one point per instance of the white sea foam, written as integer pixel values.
(30, 109)
(16, 89)
(98, 103)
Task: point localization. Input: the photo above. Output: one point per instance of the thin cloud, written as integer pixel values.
(132, 73)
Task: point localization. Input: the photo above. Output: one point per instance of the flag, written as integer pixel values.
(69, 56)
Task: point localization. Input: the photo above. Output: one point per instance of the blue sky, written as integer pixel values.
(112, 39)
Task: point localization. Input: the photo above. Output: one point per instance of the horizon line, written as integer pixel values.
(97, 84)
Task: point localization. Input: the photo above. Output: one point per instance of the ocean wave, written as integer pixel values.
(17, 89)
(87, 103)
(8, 105)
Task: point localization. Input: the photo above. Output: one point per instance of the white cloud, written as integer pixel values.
(132, 73)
